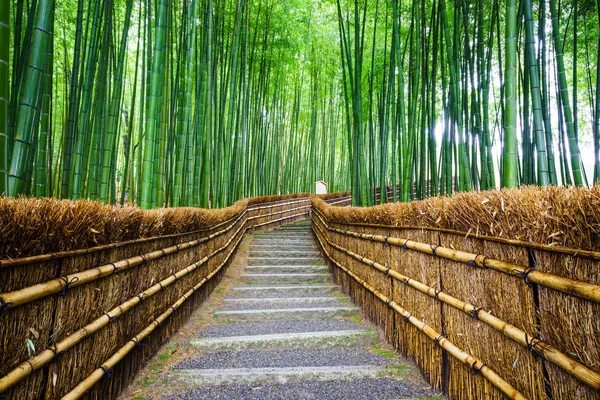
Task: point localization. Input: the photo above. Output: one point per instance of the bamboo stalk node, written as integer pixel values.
(476, 371)
(475, 312)
(112, 318)
(116, 270)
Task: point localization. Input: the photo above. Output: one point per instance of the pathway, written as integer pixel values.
(279, 329)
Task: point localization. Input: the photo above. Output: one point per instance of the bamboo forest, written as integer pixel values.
(203, 102)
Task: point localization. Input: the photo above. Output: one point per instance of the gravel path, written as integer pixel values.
(325, 358)
(368, 389)
(284, 358)
(281, 306)
(271, 327)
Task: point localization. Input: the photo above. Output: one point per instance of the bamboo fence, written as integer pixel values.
(107, 307)
(511, 286)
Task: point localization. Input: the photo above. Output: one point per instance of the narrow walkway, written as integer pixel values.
(281, 330)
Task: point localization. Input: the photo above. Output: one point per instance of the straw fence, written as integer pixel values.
(89, 292)
(494, 295)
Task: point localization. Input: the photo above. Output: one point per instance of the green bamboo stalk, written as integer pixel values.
(42, 176)
(82, 141)
(536, 97)
(107, 180)
(24, 135)
(596, 129)
(510, 179)
(156, 78)
(4, 92)
(208, 131)
(564, 97)
(70, 130)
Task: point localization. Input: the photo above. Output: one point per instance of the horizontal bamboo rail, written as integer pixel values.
(338, 201)
(281, 219)
(278, 203)
(595, 255)
(278, 212)
(534, 344)
(46, 356)
(77, 252)
(34, 292)
(95, 376)
(584, 290)
(104, 369)
(475, 364)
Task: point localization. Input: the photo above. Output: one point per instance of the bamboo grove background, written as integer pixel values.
(203, 102)
(167, 103)
(494, 295)
(104, 287)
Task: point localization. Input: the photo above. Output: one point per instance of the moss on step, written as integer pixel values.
(382, 352)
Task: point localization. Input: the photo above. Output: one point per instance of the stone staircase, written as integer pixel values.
(285, 331)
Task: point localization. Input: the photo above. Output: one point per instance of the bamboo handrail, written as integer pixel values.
(281, 219)
(534, 344)
(34, 292)
(343, 200)
(97, 374)
(595, 255)
(277, 203)
(4, 263)
(46, 356)
(474, 363)
(28, 294)
(584, 290)
(278, 212)
(77, 252)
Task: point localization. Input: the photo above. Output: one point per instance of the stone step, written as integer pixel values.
(283, 253)
(201, 377)
(286, 314)
(281, 300)
(304, 231)
(295, 233)
(285, 290)
(240, 306)
(286, 269)
(283, 242)
(358, 389)
(277, 247)
(307, 261)
(285, 357)
(246, 328)
(285, 278)
(329, 339)
(284, 236)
